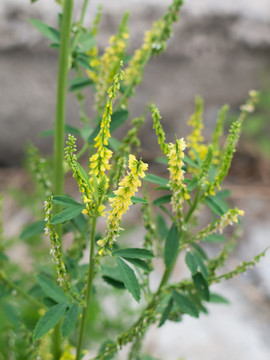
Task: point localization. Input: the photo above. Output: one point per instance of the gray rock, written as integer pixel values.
(219, 49)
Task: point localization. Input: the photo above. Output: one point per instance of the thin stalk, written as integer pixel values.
(59, 135)
(91, 274)
(83, 13)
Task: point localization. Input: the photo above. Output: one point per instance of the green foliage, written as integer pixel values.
(66, 295)
(49, 320)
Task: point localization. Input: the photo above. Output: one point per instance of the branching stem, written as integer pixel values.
(91, 274)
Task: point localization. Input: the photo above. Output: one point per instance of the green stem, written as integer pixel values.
(83, 13)
(194, 205)
(91, 274)
(63, 67)
(59, 136)
(84, 8)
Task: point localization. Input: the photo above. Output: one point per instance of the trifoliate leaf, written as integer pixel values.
(156, 179)
(186, 306)
(49, 320)
(70, 320)
(162, 200)
(50, 288)
(201, 285)
(33, 229)
(65, 201)
(171, 245)
(46, 30)
(67, 214)
(129, 279)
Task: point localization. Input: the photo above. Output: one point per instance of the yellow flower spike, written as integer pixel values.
(110, 60)
(230, 217)
(195, 139)
(179, 191)
(121, 202)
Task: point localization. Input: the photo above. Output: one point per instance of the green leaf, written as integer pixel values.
(223, 194)
(162, 226)
(134, 253)
(138, 200)
(162, 160)
(213, 238)
(201, 285)
(199, 250)
(112, 276)
(79, 83)
(69, 129)
(201, 265)
(191, 262)
(138, 262)
(85, 132)
(111, 271)
(49, 320)
(114, 144)
(171, 245)
(189, 161)
(67, 214)
(86, 41)
(72, 130)
(103, 348)
(11, 312)
(65, 201)
(83, 174)
(33, 229)
(46, 30)
(218, 299)
(193, 184)
(195, 263)
(216, 205)
(51, 289)
(118, 118)
(186, 306)
(166, 312)
(83, 62)
(129, 279)
(156, 179)
(115, 283)
(70, 320)
(162, 200)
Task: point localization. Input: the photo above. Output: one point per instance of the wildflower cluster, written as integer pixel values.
(233, 137)
(99, 162)
(56, 252)
(179, 191)
(121, 202)
(109, 63)
(195, 139)
(218, 132)
(38, 169)
(93, 52)
(129, 142)
(116, 264)
(230, 217)
(158, 128)
(154, 43)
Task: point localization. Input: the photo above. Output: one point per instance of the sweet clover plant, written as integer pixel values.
(54, 312)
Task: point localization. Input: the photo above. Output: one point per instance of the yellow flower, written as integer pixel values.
(121, 202)
(195, 139)
(179, 192)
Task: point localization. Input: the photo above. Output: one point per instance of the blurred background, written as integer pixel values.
(219, 50)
